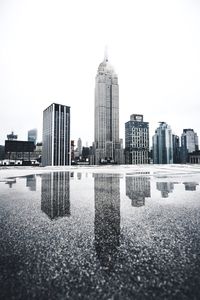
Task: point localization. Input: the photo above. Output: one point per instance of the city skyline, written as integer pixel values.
(153, 46)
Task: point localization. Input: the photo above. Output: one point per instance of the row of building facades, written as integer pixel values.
(107, 146)
(167, 148)
(58, 149)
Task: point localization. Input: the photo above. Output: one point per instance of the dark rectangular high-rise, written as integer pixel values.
(136, 140)
(56, 135)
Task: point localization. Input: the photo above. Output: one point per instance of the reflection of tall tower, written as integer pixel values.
(137, 189)
(55, 198)
(31, 182)
(165, 188)
(107, 217)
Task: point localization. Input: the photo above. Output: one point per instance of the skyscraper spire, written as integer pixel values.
(106, 54)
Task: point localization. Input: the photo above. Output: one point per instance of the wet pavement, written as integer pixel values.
(85, 234)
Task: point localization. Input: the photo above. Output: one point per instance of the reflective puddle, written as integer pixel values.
(79, 235)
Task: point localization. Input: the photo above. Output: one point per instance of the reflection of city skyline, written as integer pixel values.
(168, 187)
(107, 218)
(137, 189)
(55, 194)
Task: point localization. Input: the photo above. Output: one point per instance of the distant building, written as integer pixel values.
(72, 152)
(85, 153)
(2, 152)
(194, 157)
(162, 145)
(106, 125)
(19, 150)
(56, 135)
(37, 154)
(176, 149)
(136, 140)
(189, 144)
(32, 135)
(79, 145)
(12, 136)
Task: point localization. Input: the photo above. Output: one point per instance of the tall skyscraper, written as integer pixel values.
(106, 127)
(162, 145)
(136, 140)
(189, 144)
(32, 136)
(56, 135)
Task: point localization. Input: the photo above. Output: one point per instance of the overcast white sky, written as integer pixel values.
(50, 52)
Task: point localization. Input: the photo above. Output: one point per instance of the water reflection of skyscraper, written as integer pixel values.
(165, 188)
(79, 175)
(190, 186)
(137, 189)
(55, 194)
(31, 182)
(107, 218)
